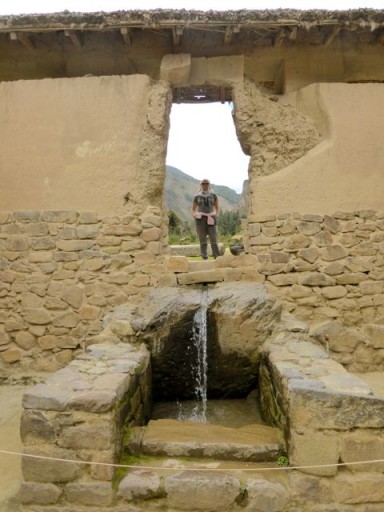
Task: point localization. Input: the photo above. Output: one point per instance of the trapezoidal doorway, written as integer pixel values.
(203, 144)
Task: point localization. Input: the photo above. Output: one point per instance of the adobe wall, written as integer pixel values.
(340, 173)
(284, 69)
(90, 143)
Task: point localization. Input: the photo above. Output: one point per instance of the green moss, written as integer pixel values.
(126, 460)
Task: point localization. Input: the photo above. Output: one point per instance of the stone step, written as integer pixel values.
(174, 438)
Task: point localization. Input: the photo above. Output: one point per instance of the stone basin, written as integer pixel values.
(174, 438)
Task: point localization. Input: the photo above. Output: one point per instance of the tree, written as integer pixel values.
(229, 223)
(180, 231)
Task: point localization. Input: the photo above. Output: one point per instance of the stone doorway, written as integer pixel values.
(202, 143)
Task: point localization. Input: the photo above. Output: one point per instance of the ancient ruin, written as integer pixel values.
(91, 295)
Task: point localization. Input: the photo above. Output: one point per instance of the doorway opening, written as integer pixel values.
(203, 143)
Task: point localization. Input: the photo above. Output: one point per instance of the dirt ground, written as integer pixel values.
(10, 465)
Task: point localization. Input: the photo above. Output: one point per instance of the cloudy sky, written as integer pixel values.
(202, 141)
(45, 6)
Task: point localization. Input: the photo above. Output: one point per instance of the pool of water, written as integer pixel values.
(232, 413)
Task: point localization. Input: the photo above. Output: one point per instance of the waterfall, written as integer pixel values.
(199, 339)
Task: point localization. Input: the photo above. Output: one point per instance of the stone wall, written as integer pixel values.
(81, 414)
(61, 271)
(328, 271)
(78, 414)
(328, 415)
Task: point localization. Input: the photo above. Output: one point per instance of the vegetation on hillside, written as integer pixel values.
(179, 191)
(182, 232)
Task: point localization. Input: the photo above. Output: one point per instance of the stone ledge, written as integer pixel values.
(324, 403)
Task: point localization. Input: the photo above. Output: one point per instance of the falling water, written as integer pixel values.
(199, 339)
(231, 413)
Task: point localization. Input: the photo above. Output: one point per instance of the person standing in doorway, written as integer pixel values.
(205, 209)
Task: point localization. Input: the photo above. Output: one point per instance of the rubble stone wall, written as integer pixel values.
(81, 414)
(329, 271)
(61, 271)
(328, 414)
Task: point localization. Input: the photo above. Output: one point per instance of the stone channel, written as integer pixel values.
(92, 416)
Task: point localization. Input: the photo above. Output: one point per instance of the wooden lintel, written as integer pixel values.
(125, 32)
(222, 94)
(332, 36)
(177, 32)
(73, 37)
(280, 38)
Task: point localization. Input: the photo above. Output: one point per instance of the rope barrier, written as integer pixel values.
(133, 466)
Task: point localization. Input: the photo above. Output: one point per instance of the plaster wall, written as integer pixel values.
(343, 171)
(82, 143)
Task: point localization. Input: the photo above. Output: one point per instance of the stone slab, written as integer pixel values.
(183, 438)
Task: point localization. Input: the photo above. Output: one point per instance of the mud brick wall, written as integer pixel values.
(61, 271)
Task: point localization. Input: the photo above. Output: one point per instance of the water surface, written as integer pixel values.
(232, 413)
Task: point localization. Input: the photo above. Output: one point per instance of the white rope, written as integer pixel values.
(136, 466)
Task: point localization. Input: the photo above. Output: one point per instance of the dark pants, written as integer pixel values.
(204, 231)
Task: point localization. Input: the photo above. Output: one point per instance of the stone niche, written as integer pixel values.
(240, 317)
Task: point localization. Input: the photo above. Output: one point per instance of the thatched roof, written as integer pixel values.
(165, 18)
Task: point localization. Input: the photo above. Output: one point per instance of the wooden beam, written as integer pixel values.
(126, 34)
(228, 35)
(177, 32)
(73, 37)
(293, 34)
(25, 41)
(230, 30)
(279, 40)
(332, 36)
(22, 38)
(222, 94)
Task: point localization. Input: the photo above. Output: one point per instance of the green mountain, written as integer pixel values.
(180, 189)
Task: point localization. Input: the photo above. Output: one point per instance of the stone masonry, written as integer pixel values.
(79, 413)
(328, 414)
(62, 271)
